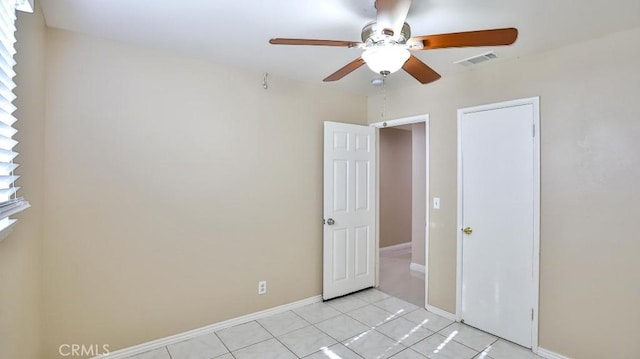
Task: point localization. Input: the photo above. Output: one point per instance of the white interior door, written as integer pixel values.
(497, 154)
(349, 209)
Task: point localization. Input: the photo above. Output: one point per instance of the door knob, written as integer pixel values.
(331, 222)
(467, 230)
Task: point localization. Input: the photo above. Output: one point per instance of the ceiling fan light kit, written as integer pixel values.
(385, 60)
(387, 43)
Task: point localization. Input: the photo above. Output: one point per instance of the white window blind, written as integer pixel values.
(10, 203)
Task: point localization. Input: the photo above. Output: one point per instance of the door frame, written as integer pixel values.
(535, 102)
(399, 122)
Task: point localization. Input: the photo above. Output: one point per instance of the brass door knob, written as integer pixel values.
(467, 230)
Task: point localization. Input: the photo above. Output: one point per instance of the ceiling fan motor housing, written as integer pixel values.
(372, 35)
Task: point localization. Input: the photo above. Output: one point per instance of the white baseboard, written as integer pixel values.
(548, 354)
(159, 343)
(396, 247)
(440, 312)
(418, 268)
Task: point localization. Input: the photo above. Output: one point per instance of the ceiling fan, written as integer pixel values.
(387, 43)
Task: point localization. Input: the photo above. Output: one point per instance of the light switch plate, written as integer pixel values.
(436, 202)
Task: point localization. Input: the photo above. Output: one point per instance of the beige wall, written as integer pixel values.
(395, 187)
(172, 185)
(419, 192)
(21, 251)
(590, 174)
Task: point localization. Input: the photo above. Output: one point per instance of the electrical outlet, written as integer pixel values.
(262, 287)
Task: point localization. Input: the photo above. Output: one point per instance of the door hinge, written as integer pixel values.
(534, 130)
(532, 314)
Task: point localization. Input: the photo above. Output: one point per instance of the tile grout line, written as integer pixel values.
(377, 325)
(368, 304)
(338, 342)
(409, 348)
(490, 344)
(336, 339)
(314, 325)
(246, 346)
(432, 333)
(478, 352)
(223, 343)
(290, 331)
(279, 341)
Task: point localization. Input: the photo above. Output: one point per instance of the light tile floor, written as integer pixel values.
(397, 279)
(367, 324)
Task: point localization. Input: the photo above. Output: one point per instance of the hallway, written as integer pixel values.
(397, 279)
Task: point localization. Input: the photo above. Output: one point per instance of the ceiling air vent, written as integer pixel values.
(477, 59)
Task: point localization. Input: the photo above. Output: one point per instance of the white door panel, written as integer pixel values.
(497, 172)
(349, 169)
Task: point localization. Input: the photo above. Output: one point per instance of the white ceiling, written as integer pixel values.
(237, 31)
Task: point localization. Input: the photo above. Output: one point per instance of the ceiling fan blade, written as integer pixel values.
(494, 37)
(313, 42)
(349, 68)
(391, 15)
(420, 71)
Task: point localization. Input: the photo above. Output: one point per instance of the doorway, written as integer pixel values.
(402, 212)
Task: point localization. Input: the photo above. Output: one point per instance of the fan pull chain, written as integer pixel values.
(384, 98)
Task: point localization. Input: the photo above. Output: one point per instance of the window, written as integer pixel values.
(10, 203)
